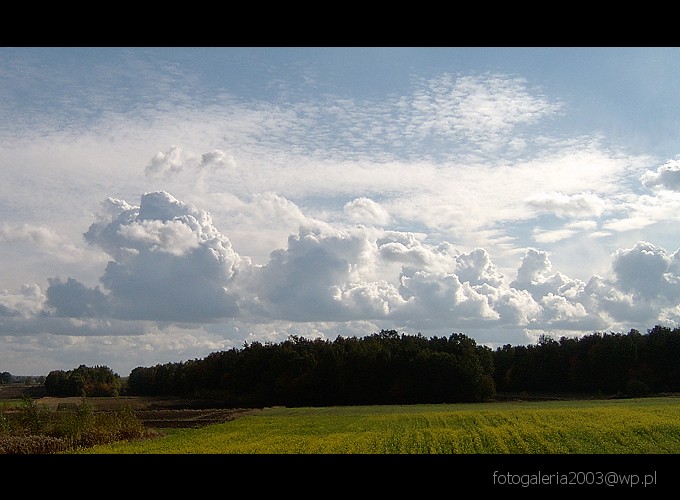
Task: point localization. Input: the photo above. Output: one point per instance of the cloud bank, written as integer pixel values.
(170, 264)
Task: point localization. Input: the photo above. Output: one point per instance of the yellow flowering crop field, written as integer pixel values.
(612, 426)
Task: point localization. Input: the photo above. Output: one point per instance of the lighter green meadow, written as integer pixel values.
(631, 426)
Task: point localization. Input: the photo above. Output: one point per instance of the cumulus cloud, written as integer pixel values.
(366, 211)
(341, 276)
(667, 176)
(559, 301)
(670, 316)
(535, 265)
(72, 299)
(561, 312)
(408, 249)
(305, 280)
(271, 209)
(648, 271)
(217, 159)
(476, 268)
(165, 164)
(174, 237)
(615, 306)
(29, 301)
(437, 299)
(170, 263)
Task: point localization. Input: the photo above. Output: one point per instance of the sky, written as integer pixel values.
(158, 204)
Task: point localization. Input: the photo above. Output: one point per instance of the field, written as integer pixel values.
(612, 426)
(155, 412)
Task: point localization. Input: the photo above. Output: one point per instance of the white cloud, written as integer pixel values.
(628, 224)
(647, 271)
(438, 299)
(366, 211)
(325, 275)
(408, 249)
(584, 225)
(667, 176)
(217, 159)
(480, 109)
(560, 310)
(44, 238)
(165, 164)
(170, 264)
(552, 236)
(477, 269)
(618, 309)
(578, 205)
(535, 265)
(305, 281)
(121, 346)
(670, 316)
(569, 230)
(29, 301)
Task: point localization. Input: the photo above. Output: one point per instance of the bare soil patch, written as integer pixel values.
(154, 412)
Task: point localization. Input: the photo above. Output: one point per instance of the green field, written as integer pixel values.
(623, 426)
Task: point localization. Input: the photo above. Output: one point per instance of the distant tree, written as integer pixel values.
(97, 381)
(56, 383)
(5, 378)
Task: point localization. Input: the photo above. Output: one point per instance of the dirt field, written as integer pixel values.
(156, 412)
(153, 412)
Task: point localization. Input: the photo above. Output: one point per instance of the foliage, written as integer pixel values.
(388, 368)
(35, 428)
(84, 381)
(383, 368)
(602, 363)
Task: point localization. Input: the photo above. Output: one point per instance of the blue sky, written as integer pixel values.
(159, 204)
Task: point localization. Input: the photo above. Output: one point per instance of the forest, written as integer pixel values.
(392, 368)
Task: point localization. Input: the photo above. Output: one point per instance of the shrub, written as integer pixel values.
(35, 429)
(32, 418)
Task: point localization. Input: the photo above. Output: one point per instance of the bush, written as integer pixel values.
(35, 429)
(32, 418)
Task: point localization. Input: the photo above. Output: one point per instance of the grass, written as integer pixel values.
(624, 426)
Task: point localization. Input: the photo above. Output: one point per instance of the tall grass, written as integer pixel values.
(633, 426)
(34, 429)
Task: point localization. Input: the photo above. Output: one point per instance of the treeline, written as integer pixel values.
(97, 381)
(8, 378)
(383, 368)
(633, 364)
(389, 368)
